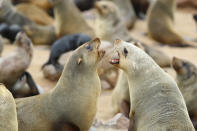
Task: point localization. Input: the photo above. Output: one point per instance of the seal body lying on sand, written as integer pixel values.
(8, 116)
(156, 101)
(66, 105)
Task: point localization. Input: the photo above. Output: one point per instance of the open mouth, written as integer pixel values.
(114, 61)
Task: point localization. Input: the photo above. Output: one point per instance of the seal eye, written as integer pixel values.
(104, 7)
(125, 52)
(88, 47)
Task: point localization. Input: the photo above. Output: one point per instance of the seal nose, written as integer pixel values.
(117, 42)
(176, 64)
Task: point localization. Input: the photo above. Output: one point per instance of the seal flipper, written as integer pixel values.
(32, 84)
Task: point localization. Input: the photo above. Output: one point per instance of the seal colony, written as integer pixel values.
(158, 95)
(58, 109)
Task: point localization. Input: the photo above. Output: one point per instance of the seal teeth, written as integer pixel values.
(114, 61)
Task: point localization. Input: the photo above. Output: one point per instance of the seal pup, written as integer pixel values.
(186, 77)
(40, 35)
(127, 12)
(10, 31)
(68, 19)
(156, 101)
(26, 86)
(76, 91)
(8, 116)
(160, 18)
(63, 45)
(109, 27)
(8, 14)
(15, 64)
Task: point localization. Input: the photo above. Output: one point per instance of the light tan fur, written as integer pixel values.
(156, 101)
(8, 117)
(76, 91)
(127, 12)
(34, 13)
(41, 35)
(120, 95)
(160, 22)
(68, 19)
(13, 65)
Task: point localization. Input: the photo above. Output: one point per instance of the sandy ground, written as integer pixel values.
(184, 24)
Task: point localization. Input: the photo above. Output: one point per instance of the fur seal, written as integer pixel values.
(109, 27)
(25, 86)
(15, 64)
(156, 101)
(68, 102)
(40, 35)
(127, 12)
(160, 18)
(10, 31)
(120, 96)
(8, 14)
(7, 111)
(187, 81)
(63, 45)
(84, 5)
(68, 19)
(34, 13)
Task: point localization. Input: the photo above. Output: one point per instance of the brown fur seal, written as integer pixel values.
(40, 35)
(68, 19)
(15, 64)
(127, 12)
(8, 117)
(34, 13)
(109, 26)
(9, 14)
(187, 81)
(76, 91)
(160, 23)
(156, 101)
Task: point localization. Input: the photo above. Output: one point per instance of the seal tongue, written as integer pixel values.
(115, 59)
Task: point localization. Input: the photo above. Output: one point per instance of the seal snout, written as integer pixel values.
(117, 42)
(115, 59)
(195, 17)
(176, 64)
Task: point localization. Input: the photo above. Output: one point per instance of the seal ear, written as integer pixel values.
(79, 61)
